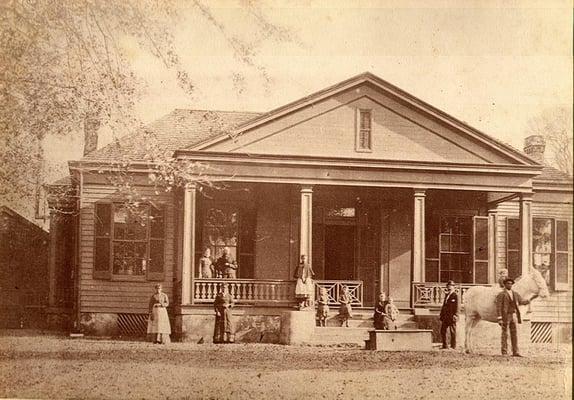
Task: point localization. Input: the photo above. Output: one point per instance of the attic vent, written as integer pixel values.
(363, 137)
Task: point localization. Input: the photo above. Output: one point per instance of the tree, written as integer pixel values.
(62, 62)
(555, 125)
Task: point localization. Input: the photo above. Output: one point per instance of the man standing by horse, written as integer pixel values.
(508, 314)
(449, 316)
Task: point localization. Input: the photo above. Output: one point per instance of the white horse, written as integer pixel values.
(480, 301)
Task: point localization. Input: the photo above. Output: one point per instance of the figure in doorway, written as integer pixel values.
(224, 330)
(379, 316)
(323, 307)
(158, 321)
(304, 287)
(226, 266)
(206, 267)
(345, 311)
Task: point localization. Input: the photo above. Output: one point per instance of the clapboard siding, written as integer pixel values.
(112, 296)
(558, 307)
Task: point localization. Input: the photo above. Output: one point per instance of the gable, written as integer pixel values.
(400, 131)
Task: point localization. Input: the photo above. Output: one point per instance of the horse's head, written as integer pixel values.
(541, 286)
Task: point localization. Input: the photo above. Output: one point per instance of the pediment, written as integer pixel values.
(401, 130)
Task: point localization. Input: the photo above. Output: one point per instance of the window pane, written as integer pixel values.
(561, 236)
(102, 261)
(130, 225)
(156, 253)
(103, 217)
(431, 271)
(445, 242)
(365, 120)
(562, 268)
(157, 221)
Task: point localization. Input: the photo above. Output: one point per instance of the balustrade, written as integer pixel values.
(272, 292)
(431, 294)
(247, 291)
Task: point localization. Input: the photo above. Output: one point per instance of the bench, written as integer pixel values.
(400, 340)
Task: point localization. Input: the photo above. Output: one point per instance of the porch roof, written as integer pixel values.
(245, 167)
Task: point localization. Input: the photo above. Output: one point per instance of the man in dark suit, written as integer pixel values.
(508, 315)
(449, 316)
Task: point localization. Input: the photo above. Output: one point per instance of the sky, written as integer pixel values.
(492, 64)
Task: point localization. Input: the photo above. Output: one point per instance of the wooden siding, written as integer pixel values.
(114, 296)
(328, 129)
(558, 307)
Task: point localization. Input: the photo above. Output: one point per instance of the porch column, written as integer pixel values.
(525, 232)
(52, 261)
(492, 221)
(305, 237)
(419, 236)
(188, 245)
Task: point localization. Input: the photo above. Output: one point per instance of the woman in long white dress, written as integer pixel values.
(158, 322)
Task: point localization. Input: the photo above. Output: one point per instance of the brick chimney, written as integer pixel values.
(534, 146)
(91, 127)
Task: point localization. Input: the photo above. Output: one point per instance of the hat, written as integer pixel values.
(450, 283)
(508, 280)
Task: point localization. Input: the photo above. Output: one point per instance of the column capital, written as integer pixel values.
(190, 186)
(492, 211)
(525, 196)
(306, 188)
(419, 192)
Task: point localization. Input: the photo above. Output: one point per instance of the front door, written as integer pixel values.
(339, 252)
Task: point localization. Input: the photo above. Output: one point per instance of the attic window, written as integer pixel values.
(364, 131)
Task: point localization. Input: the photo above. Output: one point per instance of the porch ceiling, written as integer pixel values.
(359, 172)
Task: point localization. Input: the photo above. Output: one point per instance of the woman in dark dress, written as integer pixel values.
(224, 330)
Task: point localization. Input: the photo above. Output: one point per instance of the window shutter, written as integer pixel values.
(480, 249)
(102, 247)
(513, 247)
(155, 269)
(562, 256)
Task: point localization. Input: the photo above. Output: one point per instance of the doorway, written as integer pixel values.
(339, 252)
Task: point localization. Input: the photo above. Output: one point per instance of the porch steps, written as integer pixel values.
(357, 332)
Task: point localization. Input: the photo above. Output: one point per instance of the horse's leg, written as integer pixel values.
(468, 324)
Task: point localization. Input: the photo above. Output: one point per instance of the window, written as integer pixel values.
(129, 243)
(455, 249)
(364, 131)
(550, 252)
(232, 226)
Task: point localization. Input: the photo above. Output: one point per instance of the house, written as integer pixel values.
(381, 191)
(23, 271)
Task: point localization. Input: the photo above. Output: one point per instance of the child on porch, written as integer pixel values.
(323, 307)
(345, 311)
(304, 287)
(391, 315)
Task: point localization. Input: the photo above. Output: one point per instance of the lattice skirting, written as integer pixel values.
(541, 332)
(132, 324)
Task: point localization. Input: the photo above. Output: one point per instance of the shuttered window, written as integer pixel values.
(513, 247)
(550, 250)
(129, 243)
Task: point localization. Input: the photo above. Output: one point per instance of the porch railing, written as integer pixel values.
(335, 289)
(272, 291)
(247, 291)
(431, 294)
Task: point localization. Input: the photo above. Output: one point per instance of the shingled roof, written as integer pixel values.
(552, 174)
(176, 130)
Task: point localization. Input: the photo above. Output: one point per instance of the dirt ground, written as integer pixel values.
(42, 366)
